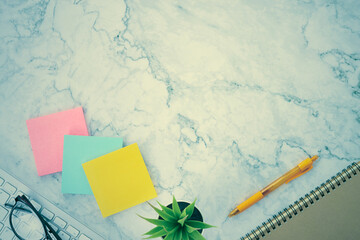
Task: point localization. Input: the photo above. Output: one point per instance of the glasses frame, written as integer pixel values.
(47, 228)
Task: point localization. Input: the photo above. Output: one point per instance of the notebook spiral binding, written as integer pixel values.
(303, 202)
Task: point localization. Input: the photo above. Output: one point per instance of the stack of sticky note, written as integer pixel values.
(116, 176)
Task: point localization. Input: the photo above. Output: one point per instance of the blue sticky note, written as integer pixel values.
(81, 149)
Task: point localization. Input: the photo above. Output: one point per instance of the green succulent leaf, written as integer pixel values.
(189, 229)
(167, 210)
(160, 223)
(189, 210)
(182, 220)
(178, 235)
(154, 230)
(196, 236)
(160, 233)
(170, 236)
(198, 224)
(176, 228)
(185, 234)
(183, 214)
(171, 227)
(163, 214)
(176, 208)
(175, 224)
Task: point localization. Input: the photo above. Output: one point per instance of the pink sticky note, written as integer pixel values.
(47, 137)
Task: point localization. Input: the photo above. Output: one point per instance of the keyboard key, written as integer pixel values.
(53, 226)
(61, 223)
(23, 213)
(36, 205)
(15, 220)
(73, 231)
(18, 212)
(21, 193)
(23, 229)
(9, 188)
(64, 236)
(36, 235)
(83, 237)
(56, 218)
(3, 197)
(11, 201)
(7, 234)
(46, 213)
(3, 213)
(6, 224)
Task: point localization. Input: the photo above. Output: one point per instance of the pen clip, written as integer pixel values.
(301, 173)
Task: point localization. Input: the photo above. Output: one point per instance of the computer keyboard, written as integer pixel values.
(66, 226)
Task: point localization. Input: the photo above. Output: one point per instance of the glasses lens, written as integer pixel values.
(26, 223)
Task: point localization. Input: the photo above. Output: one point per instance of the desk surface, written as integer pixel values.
(221, 98)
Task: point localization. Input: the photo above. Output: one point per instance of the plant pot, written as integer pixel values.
(195, 216)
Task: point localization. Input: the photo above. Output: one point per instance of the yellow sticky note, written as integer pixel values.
(119, 180)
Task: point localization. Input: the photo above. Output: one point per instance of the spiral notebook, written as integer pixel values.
(331, 211)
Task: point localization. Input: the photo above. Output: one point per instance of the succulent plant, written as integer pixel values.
(176, 224)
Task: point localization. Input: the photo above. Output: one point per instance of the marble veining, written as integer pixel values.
(222, 97)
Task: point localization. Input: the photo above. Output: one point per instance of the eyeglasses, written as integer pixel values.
(27, 223)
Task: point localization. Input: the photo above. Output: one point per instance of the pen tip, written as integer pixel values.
(234, 212)
(315, 157)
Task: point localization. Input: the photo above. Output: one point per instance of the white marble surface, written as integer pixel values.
(221, 96)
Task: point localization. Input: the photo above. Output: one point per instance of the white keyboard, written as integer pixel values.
(66, 226)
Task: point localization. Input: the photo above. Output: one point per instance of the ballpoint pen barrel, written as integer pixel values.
(293, 173)
(250, 201)
(281, 180)
(297, 171)
(261, 194)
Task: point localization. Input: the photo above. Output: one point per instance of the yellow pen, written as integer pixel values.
(297, 171)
